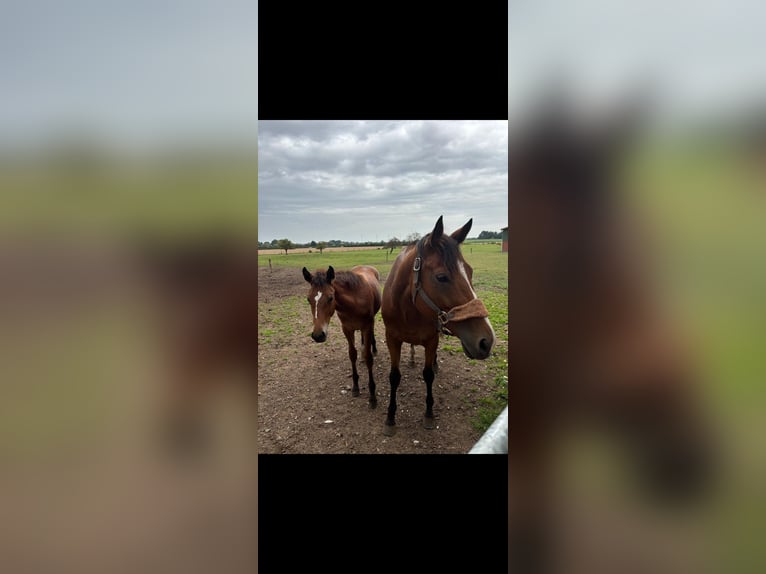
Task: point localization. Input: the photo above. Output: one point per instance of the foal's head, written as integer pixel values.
(321, 298)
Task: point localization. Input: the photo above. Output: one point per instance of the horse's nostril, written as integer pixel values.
(320, 338)
(485, 345)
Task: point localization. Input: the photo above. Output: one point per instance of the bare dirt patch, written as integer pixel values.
(304, 388)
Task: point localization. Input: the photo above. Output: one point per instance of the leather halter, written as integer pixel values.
(472, 309)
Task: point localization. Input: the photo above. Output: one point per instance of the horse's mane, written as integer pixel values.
(446, 247)
(319, 279)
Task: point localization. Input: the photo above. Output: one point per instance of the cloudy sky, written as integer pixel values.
(370, 181)
(695, 57)
(136, 73)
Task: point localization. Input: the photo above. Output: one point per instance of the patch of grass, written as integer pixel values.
(278, 321)
(340, 260)
(493, 405)
(131, 199)
(450, 348)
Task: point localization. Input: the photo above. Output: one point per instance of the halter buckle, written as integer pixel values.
(416, 267)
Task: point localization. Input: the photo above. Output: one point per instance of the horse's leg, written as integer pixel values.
(372, 334)
(352, 357)
(369, 344)
(428, 377)
(394, 350)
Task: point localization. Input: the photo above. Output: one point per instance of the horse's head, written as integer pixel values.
(321, 298)
(592, 341)
(444, 284)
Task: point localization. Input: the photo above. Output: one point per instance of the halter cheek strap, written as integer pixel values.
(472, 309)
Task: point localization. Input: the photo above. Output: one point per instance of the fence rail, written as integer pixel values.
(495, 439)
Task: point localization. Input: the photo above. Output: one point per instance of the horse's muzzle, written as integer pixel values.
(319, 338)
(480, 351)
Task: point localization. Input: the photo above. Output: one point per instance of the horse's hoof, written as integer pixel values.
(354, 392)
(428, 422)
(373, 404)
(389, 430)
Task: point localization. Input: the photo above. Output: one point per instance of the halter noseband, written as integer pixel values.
(474, 308)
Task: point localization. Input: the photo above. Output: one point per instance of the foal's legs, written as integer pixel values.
(369, 347)
(352, 357)
(412, 359)
(394, 350)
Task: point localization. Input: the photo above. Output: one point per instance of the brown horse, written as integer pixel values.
(428, 292)
(203, 297)
(591, 345)
(355, 295)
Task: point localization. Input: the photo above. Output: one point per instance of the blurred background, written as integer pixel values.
(694, 175)
(128, 180)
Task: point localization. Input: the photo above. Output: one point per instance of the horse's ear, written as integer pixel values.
(307, 275)
(438, 229)
(330, 274)
(459, 235)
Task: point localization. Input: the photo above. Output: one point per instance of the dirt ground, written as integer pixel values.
(304, 388)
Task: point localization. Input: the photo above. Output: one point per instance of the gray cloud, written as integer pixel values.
(370, 181)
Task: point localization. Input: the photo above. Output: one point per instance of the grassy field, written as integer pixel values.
(118, 201)
(490, 282)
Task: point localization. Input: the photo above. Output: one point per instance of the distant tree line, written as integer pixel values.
(285, 244)
(490, 235)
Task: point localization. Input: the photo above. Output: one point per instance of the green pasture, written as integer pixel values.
(127, 201)
(490, 278)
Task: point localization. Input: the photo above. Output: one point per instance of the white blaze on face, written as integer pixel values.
(463, 272)
(461, 267)
(317, 297)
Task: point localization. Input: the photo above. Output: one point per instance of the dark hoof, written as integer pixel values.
(354, 392)
(428, 422)
(389, 430)
(373, 404)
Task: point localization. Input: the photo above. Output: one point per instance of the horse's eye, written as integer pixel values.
(442, 278)
(330, 298)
